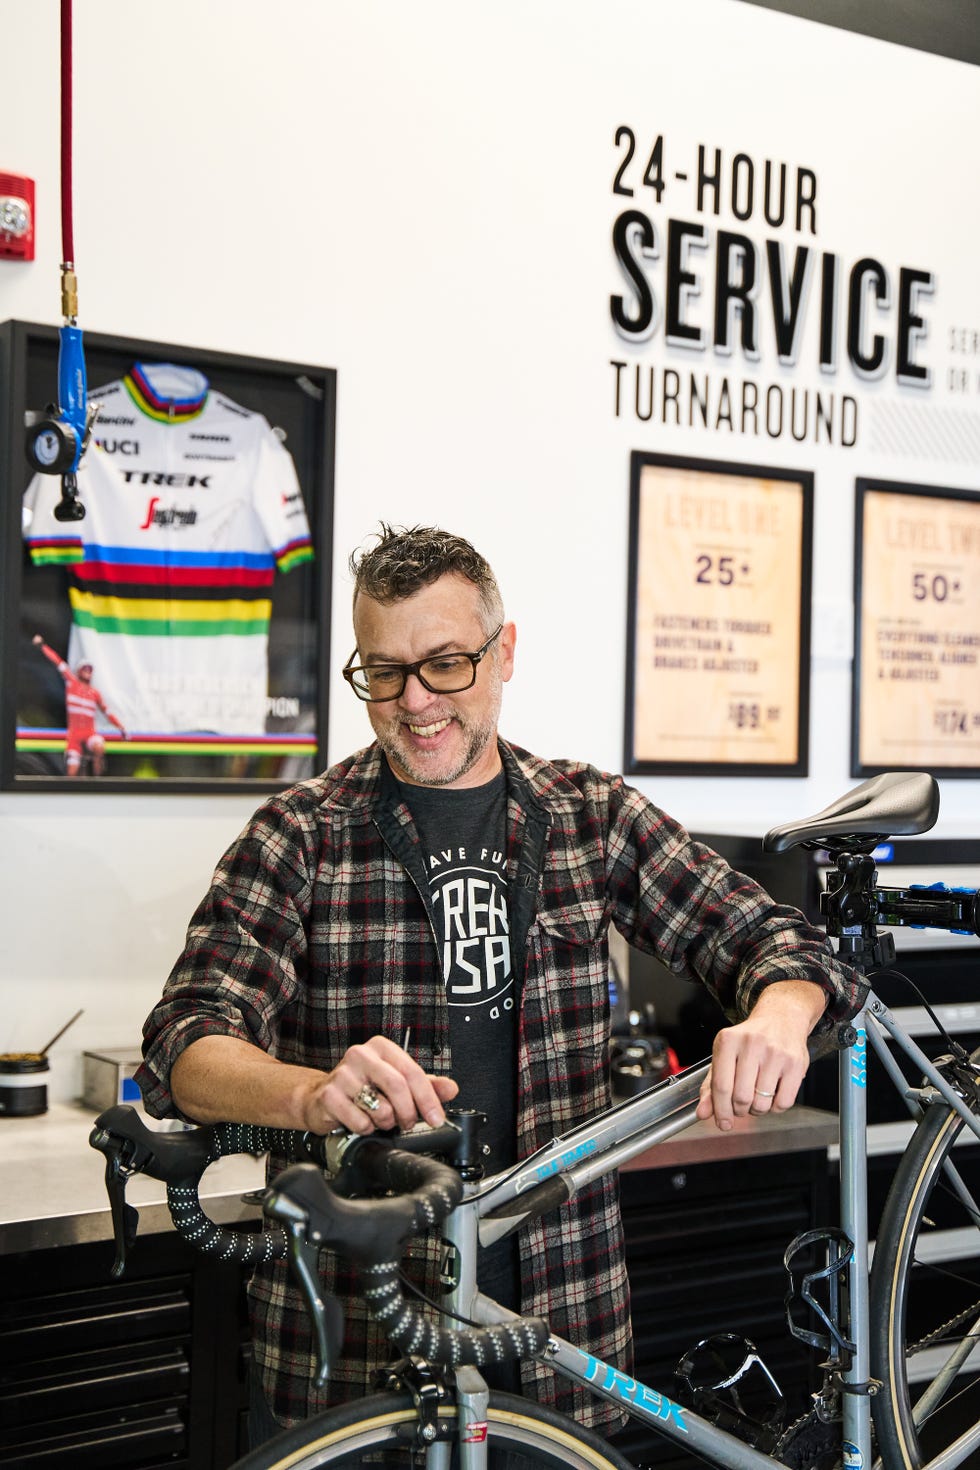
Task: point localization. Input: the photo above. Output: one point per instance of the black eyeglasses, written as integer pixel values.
(444, 673)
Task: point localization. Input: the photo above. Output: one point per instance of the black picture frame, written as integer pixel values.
(299, 401)
(908, 578)
(637, 759)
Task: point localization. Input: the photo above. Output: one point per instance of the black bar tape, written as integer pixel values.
(179, 1160)
(413, 1332)
(369, 1230)
(247, 1138)
(434, 1187)
(245, 1246)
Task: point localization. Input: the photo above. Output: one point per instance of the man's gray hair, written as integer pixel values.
(405, 559)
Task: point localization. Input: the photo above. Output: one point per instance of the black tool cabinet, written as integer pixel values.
(138, 1374)
(704, 1249)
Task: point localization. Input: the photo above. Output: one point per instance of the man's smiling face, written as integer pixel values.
(436, 739)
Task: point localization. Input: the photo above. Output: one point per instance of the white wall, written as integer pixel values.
(420, 196)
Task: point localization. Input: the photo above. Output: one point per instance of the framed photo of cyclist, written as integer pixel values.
(165, 618)
(718, 636)
(916, 684)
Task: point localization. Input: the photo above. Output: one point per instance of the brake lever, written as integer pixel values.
(325, 1312)
(123, 1158)
(125, 1217)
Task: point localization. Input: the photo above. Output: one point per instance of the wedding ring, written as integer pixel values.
(760, 1092)
(367, 1099)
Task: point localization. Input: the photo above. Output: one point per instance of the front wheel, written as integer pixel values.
(925, 1300)
(380, 1430)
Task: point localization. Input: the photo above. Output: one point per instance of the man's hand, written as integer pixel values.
(405, 1094)
(757, 1066)
(223, 1079)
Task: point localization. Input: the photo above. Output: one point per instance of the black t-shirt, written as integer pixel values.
(463, 835)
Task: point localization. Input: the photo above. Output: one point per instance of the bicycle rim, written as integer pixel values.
(380, 1431)
(925, 1301)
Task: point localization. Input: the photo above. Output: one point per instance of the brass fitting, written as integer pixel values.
(69, 294)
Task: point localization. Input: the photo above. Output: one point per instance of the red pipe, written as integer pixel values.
(67, 229)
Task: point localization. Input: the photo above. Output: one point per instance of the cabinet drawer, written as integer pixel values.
(70, 1321)
(97, 1442)
(63, 1387)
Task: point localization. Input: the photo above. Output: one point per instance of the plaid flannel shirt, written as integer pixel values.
(315, 936)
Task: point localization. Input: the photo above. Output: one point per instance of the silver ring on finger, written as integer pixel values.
(367, 1099)
(761, 1092)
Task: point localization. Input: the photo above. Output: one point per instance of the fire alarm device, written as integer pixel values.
(16, 217)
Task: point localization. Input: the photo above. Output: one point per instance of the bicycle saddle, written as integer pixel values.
(896, 804)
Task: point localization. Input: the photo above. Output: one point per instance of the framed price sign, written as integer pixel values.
(718, 638)
(916, 695)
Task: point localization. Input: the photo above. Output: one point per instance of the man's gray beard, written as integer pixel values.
(398, 757)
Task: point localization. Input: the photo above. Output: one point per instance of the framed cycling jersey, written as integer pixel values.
(174, 636)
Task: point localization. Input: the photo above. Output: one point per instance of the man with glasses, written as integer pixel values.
(427, 921)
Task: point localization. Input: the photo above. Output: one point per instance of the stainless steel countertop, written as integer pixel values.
(52, 1184)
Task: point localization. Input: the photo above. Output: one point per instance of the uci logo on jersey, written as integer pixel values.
(119, 446)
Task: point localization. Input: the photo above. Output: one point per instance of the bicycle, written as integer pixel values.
(870, 1356)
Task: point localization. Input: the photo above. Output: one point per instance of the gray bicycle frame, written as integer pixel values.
(493, 1208)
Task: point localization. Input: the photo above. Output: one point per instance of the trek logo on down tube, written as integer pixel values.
(622, 1387)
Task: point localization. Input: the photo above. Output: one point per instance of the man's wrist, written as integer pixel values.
(804, 996)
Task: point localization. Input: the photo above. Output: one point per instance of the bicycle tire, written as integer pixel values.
(379, 1430)
(923, 1308)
